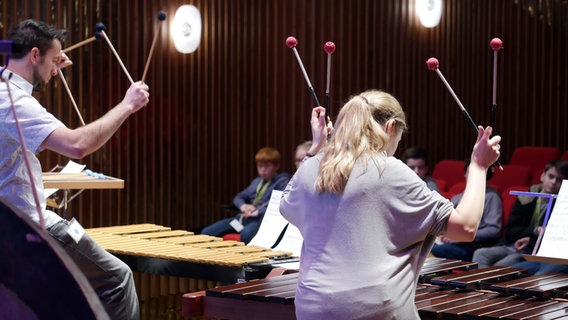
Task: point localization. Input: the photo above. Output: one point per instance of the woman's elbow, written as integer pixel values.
(469, 235)
(462, 232)
(469, 232)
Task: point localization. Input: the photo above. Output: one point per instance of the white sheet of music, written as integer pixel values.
(272, 224)
(71, 167)
(555, 239)
(291, 241)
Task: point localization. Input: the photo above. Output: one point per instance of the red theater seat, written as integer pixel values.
(512, 175)
(450, 171)
(457, 188)
(534, 157)
(232, 236)
(508, 200)
(442, 184)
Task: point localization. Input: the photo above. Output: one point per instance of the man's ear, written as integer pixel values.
(34, 55)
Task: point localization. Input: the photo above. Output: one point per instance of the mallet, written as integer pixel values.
(433, 65)
(291, 42)
(100, 27)
(161, 17)
(329, 48)
(496, 44)
(84, 42)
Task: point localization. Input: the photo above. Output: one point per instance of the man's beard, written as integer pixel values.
(39, 84)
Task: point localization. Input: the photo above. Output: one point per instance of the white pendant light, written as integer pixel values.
(186, 28)
(429, 12)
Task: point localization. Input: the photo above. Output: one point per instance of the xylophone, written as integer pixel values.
(168, 262)
(447, 289)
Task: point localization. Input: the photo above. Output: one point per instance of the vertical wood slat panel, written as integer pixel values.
(191, 149)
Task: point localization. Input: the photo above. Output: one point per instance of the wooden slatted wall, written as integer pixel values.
(192, 148)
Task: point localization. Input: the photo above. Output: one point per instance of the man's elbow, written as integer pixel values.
(76, 152)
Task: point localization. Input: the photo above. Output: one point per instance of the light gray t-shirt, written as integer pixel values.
(363, 249)
(36, 124)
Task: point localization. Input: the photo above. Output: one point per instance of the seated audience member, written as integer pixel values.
(487, 232)
(525, 221)
(537, 267)
(416, 158)
(252, 201)
(301, 152)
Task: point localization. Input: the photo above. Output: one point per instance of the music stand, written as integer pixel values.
(560, 205)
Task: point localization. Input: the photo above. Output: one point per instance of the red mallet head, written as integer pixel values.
(432, 63)
(329, 47)
(291, 42)
(162, 16)
(496, 44)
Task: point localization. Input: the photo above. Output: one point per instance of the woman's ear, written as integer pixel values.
(390, 127)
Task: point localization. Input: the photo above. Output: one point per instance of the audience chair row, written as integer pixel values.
(524, 169)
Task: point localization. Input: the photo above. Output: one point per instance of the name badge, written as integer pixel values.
(76, 231)
(237, 225)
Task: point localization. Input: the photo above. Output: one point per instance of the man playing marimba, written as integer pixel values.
(38, 58)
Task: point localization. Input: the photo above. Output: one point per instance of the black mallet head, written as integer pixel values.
(100, 27)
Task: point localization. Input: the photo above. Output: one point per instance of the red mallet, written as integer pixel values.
(291, 42)
(433, 65)
(329, 48)
(496, 44)
(161, 17)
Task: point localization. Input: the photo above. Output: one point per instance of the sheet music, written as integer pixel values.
(272, 224)
(71, 167)
(291, 241)
(555, 239)
(289, 265)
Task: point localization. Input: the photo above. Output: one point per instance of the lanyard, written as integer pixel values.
(260, 190)
(537, 215)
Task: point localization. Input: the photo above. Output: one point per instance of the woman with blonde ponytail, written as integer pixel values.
(368, 221)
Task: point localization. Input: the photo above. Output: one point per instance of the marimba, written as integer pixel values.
(169, 261)
(447, 289)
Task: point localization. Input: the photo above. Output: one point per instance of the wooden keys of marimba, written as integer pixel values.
(160, 250)
(447, 289)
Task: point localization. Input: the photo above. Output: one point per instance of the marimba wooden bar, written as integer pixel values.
(455, 290)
